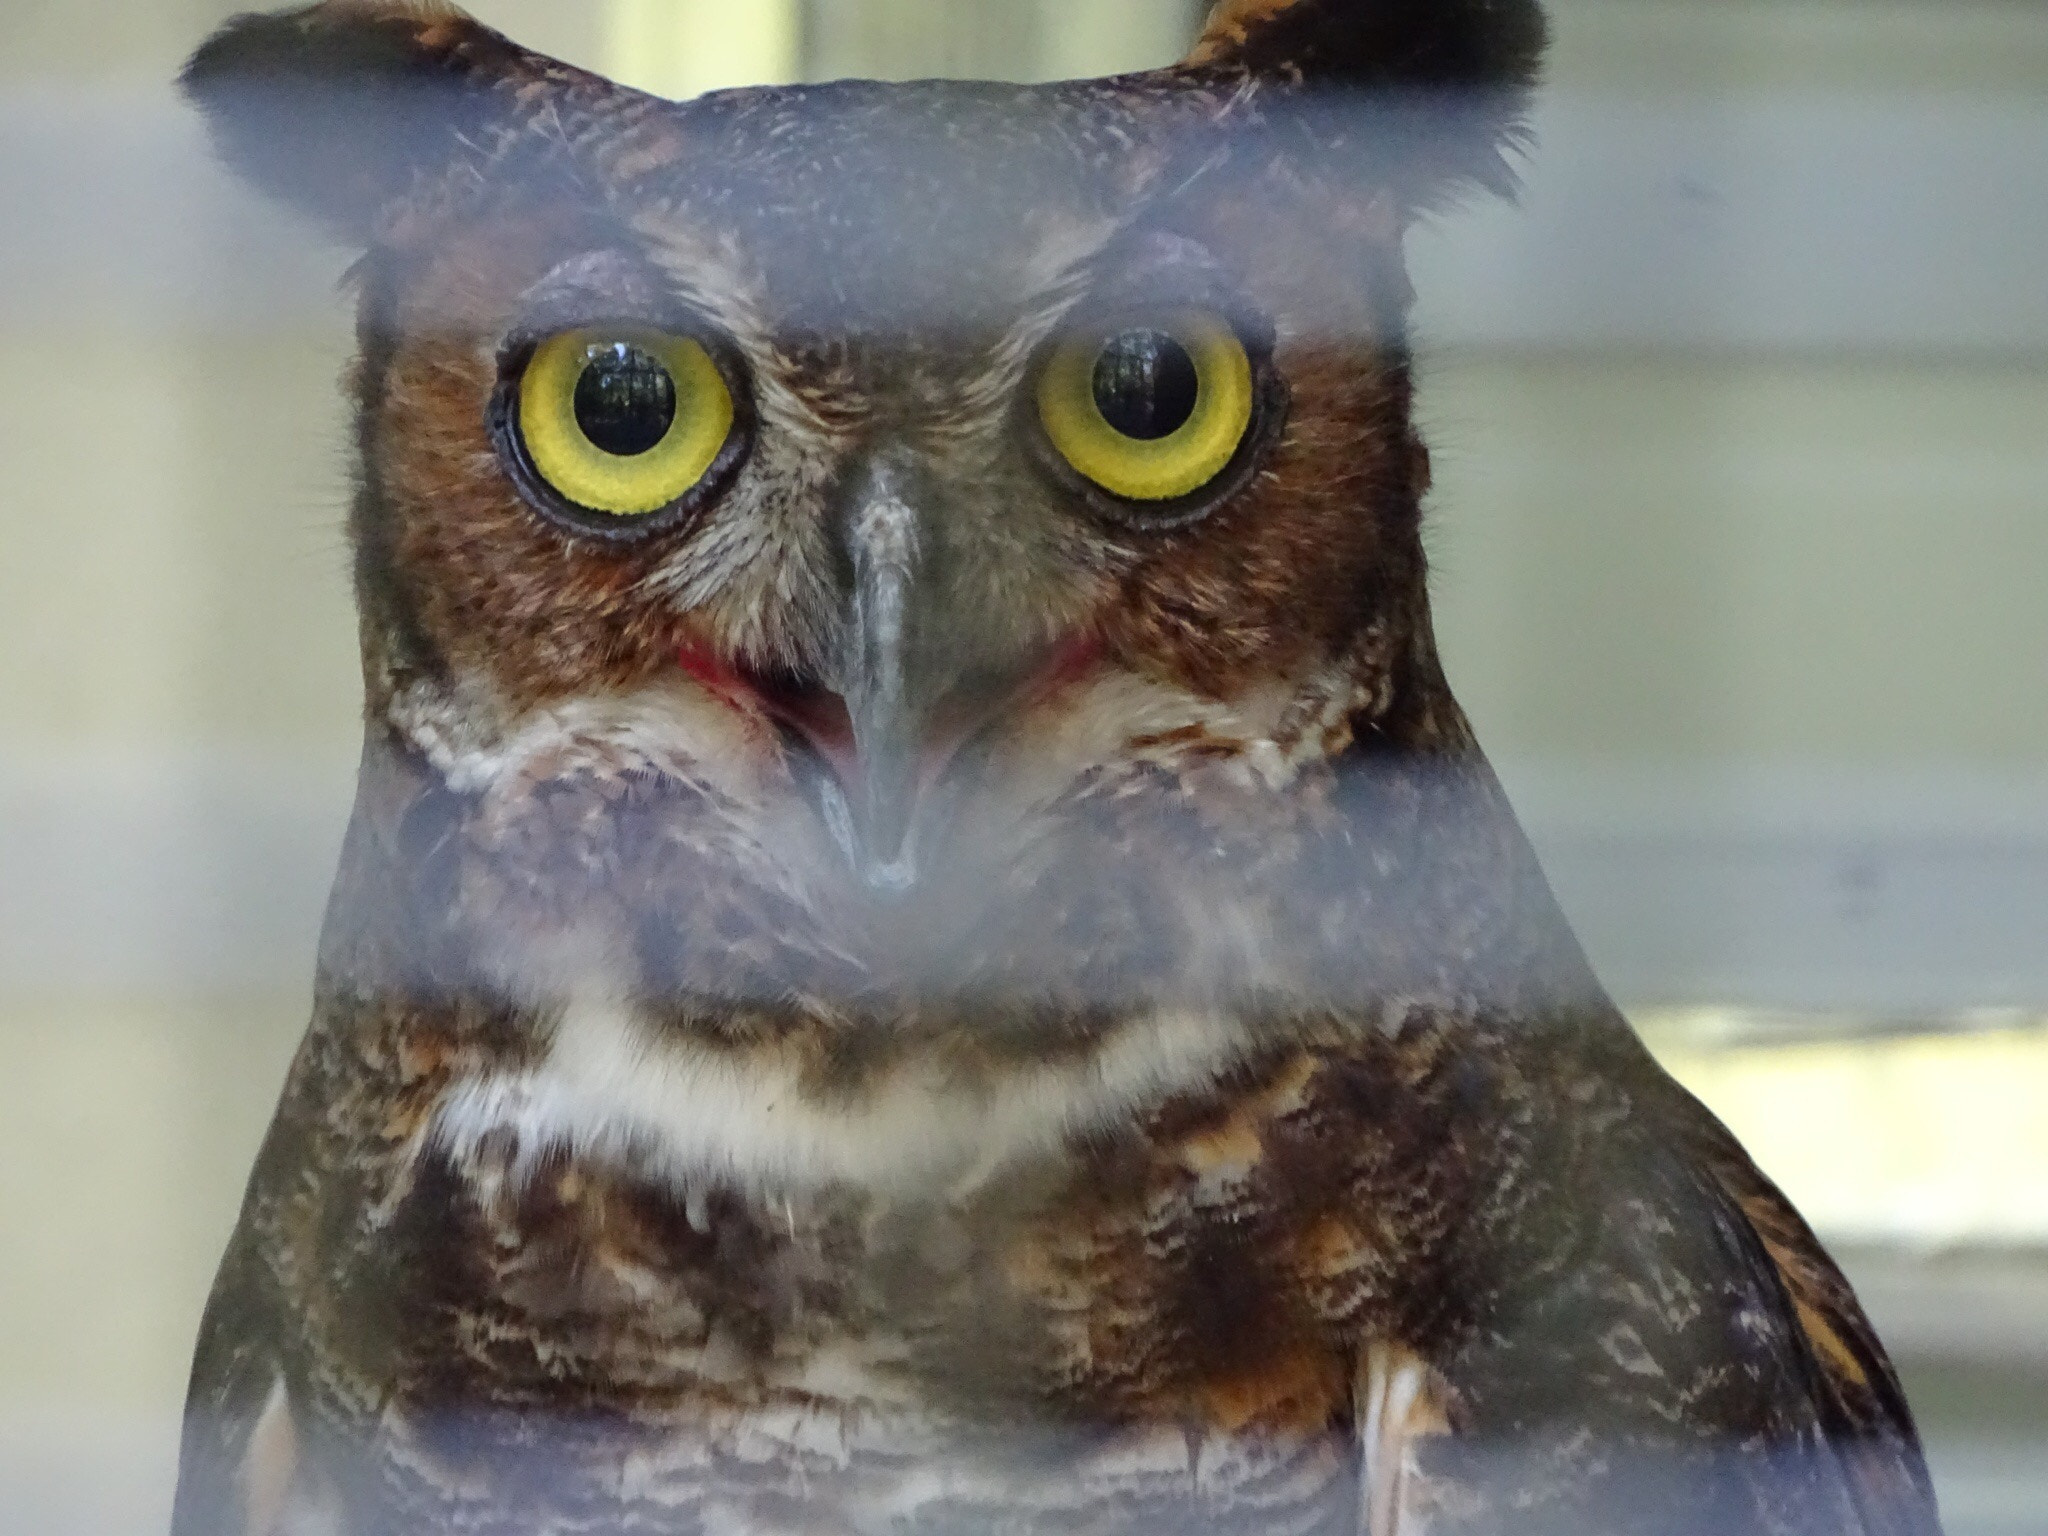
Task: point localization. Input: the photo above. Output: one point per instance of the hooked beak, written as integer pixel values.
(902, 693)
(921, 671)
(891, 689)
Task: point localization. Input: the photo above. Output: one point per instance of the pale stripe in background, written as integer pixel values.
(681, 48)
(1917, 1142)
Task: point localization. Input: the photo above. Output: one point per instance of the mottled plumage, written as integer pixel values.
(906, 989)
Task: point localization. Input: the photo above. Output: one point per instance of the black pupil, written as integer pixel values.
(1145, 384)
(626, 400)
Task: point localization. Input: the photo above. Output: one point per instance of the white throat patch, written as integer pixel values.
(610, 1089)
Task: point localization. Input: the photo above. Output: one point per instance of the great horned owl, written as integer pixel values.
(924, 947)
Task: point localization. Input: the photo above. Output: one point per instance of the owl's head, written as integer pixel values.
(888, 462)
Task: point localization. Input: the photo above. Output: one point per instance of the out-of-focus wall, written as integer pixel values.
(1737, 532)
(1739, 540)
(171, 599)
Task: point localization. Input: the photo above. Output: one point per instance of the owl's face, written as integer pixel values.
(897, 435)
(892, 464)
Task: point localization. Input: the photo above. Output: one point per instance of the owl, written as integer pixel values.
(923, 946)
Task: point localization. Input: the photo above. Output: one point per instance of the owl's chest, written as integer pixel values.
(1111, 1289)
(849, 1465)
(603, 1344)
(989, 1317)
(621, 1217)
(1090, 1341)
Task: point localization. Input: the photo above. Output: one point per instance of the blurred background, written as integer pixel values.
(1741, 551)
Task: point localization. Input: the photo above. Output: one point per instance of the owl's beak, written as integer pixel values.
(920, 672)
(888, 697)
(885, 720)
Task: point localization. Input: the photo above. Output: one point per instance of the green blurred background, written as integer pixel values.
(1741, 541)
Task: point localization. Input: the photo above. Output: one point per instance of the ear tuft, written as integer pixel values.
(1431, 94)
(340, 108)
(1383, 44)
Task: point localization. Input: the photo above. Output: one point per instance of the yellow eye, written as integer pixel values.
(621, 421)
(1151, 413)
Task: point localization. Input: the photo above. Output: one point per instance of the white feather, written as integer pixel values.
(609, 1088)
